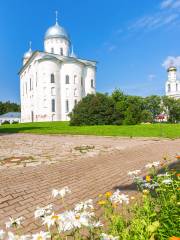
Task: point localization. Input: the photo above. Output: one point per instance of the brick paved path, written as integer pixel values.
(22, 189)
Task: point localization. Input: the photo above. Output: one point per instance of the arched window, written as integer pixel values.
(52, 78)
(67, 106)
(53, 105)
(75, 92)
(61, 51)
(75, 79)
(92, 83)
(30, 84)
(169, 87)
(67, 79)
(36, 79)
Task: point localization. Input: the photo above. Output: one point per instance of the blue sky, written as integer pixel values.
(130, 39)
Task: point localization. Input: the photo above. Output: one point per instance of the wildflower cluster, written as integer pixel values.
(153, 216)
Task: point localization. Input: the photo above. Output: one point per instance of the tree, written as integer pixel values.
(172, 109)
(153, 105)
(146, 116)
(93, 110)
(133, 112)
(9, 107)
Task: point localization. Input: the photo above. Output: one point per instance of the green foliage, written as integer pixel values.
(153, 105)
(9, 107)
(121, 109)
(155, 216)
(93, 110)
(146, 116)
(172, 108)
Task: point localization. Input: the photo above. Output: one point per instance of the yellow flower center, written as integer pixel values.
(39, 238)
(148, 178)
(108, 194)
(102, 202)
(55, 217)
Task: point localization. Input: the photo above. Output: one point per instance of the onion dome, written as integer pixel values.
(28, 53)
(72, 53)
(172, 69)
(56, 31)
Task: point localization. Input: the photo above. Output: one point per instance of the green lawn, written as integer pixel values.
(146, 130)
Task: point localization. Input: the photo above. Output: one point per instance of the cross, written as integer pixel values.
(56, 12)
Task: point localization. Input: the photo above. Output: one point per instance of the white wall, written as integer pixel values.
(56, 44)
(40, 90)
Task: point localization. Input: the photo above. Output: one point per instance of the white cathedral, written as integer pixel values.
(172, 87)
(53, 81)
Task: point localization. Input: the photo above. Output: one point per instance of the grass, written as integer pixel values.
(143, 130)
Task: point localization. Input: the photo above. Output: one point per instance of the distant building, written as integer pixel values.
(10, 117)
(53, 81)
(172, 84)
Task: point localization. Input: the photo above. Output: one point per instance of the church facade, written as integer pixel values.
(53, 81)
(172, 87)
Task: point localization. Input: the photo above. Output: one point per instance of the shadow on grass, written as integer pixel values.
(11, 130)
(133, 187)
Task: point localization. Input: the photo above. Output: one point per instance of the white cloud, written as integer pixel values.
(171, 61)
(112, 48)
(166, 15)
(151, 77)
(171, 4)
(166, 3)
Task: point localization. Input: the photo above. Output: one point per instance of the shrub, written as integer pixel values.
(5, 122)
(15, 122)
(93, 110)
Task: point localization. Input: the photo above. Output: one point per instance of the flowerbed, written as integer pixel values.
(154, 216)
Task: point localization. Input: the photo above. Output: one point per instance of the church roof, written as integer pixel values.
(46, 55)
(11, 115)
(56, 31)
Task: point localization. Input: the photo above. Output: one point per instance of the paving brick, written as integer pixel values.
(23, 189)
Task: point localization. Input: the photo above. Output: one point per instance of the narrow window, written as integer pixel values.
(75, 79)
(169, 87)
(36, 79)
(52, 50)
(75, 92)
(67, 79)
(176, 87)
(53, 105)
(81, 81)
(52, 78)
(53, 91)
(30, 84)
(26, 87)
(92, 83)
(75, 102)
(61, 51)
(67, 106)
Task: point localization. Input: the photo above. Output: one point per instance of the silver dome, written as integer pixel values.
(56, 31)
